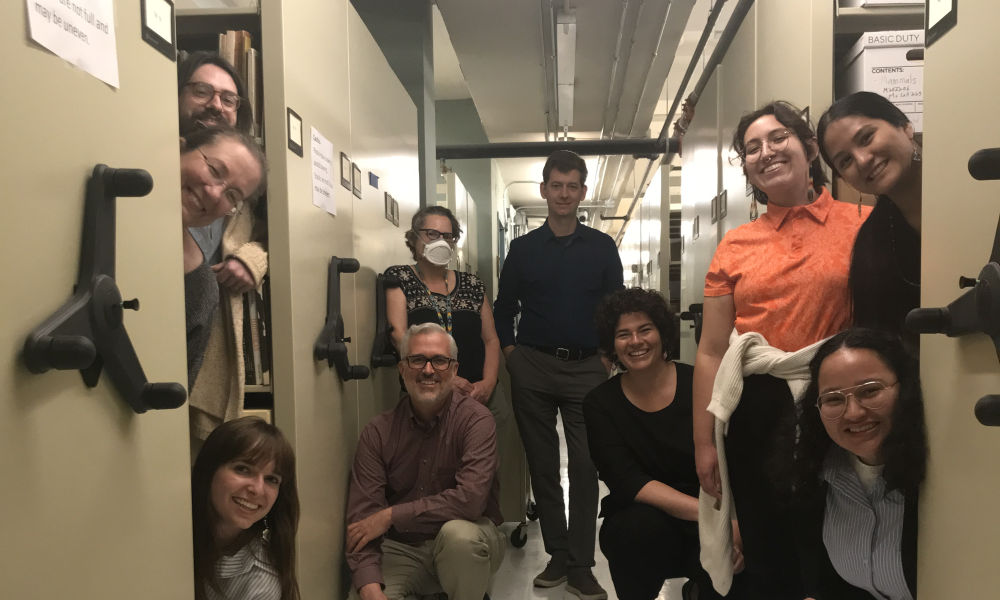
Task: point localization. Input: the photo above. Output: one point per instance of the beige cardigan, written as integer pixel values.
(217, 395)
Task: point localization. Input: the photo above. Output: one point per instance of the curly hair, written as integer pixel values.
(633, 300)
(418, 222)
(257, 442)
(793, 119)
(803, 443)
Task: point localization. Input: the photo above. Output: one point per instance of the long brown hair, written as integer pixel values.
(252, 440)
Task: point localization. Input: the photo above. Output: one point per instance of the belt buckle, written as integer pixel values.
(559, 353)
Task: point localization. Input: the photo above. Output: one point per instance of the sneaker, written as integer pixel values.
(583, 584)
(553, 575)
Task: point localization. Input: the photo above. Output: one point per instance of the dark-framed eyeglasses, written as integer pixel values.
(777, 141)
(232, 195)
(204, 92)
(872, 395)
(419, 361)
(434, 235)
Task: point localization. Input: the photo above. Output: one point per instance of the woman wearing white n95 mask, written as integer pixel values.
(431, 292)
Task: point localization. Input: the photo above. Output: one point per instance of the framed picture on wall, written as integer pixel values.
(346, 166)
(395, 212)
(356, 179)
(388, 206)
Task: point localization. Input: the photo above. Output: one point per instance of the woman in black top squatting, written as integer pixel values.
(641, 439)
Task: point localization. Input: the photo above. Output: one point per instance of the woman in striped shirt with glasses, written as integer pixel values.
(854, 469)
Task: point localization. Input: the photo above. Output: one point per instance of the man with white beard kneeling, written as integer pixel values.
(424, 503)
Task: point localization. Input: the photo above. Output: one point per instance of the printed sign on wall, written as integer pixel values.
(79, 31)
(322, 173)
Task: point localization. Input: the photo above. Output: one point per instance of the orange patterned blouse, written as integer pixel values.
(787, 271)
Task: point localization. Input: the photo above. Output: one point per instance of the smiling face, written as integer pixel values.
(859, 430)
(637, 342)
(428, 386)
(563, 192)
(777, 172)
(242, 494)
(210, 175)
(872, 155)
(195, 113)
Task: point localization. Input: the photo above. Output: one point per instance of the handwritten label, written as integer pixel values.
(81, 32)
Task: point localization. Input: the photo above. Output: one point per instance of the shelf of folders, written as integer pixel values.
(237, 48)
(257, 337)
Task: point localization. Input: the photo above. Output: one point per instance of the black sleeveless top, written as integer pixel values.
(466, 315)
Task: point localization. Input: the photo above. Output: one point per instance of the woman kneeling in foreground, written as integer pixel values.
(856, 467)
(245, 508)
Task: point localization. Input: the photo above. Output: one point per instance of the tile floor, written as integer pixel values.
(520, 566)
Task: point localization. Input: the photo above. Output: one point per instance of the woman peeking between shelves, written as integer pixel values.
(245, 512)
(869, 142)
(639, 432)
(431, 292)
(781, 282)
(852, 461)
(221, 169)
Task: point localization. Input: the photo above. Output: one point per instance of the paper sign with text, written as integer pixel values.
(322, 172)
(79, 31)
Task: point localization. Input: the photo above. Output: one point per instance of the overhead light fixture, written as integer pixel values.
(565, 66)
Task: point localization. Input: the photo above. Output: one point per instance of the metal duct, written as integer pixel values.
(544, 149)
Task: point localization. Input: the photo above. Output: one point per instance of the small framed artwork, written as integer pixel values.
(395, 212)
(388, 206)
(715, 209)
(723, 204)
(158, 26)
(346, 166)
(356, 179)
(695, 229)
(939, 17)
(294, 132)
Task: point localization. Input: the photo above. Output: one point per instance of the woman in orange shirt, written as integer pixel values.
(784, 276)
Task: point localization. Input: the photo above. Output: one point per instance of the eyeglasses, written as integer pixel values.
(419, 361)
(232, 195)
(204, 93)
(871, 395)
(776, 141)
(434, 235)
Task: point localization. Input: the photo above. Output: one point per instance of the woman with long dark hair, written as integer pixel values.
(639, 432)
(869, 142)
(245, 512)
(776, 287)
(852, 458)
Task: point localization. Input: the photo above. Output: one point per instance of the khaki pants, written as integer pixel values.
(458, 562)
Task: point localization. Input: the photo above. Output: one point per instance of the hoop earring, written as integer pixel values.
(916, 156)
(266, 536)
(859, 206)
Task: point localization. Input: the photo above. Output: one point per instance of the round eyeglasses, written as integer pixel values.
(435, 235)
(419, 361)
(872, 395)
(776, 141)
(232, 195)
(204, 93)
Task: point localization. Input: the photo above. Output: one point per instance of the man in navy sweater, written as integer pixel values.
(554, 277)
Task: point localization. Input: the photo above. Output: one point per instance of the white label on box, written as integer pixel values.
(882, 39)
(898, 84)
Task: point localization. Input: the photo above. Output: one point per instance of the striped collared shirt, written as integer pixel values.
(246, 575)
(863, 531)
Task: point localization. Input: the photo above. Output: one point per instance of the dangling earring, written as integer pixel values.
(753, 208)
(859, 206)
(916, 156)
(266, 536)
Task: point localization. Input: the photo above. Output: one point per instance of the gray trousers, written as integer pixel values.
(541, 386)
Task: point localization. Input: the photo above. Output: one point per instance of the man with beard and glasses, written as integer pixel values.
(211, 94)
(424, 506)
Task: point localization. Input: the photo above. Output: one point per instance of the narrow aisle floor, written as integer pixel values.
(520, 566)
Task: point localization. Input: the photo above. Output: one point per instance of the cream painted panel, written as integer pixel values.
(737, 98)
(384, 141)
(652, 255)
(959, 528)
(306, 68)
(699, 184)
(97, 497)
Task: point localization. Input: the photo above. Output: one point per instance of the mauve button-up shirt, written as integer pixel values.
(428, 473)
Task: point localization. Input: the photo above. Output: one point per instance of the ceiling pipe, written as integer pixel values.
(732, 28)
(544, 149)
(545, 69)
(602, 160)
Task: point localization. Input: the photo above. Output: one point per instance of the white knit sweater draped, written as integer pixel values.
(748, 354)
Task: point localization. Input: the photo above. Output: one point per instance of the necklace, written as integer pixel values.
(895, 258)
(446, 323)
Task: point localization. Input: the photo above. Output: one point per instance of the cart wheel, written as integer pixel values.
(531, 511)
(518, 538)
